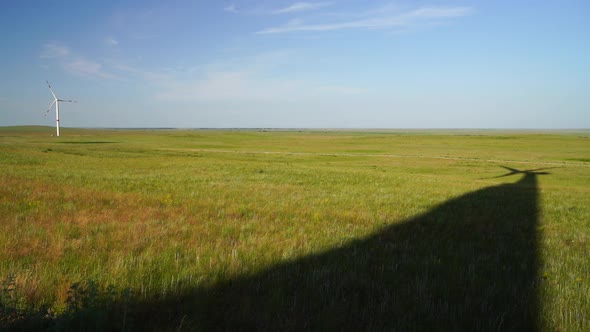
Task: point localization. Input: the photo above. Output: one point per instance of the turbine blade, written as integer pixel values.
(49, 108)
(541, 169)
(49, 85)
(68, 101)
(512, 170)
(500, 176)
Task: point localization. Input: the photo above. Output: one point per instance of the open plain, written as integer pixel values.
(294, 230)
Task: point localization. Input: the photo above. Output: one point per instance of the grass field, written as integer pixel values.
(294, 230)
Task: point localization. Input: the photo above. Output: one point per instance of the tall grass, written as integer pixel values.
(117, 223)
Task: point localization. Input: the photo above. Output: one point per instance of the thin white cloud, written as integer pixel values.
(301, 6)
(73, 63)
(227, 86)
(296, 7)
(247, 80)
(440, 12)
(149, 76)
(144, 36)
(243, 86)
(84, 67)
(340, 89)
(111, 41)
(380, 20)
(54, 50)
(231, 8)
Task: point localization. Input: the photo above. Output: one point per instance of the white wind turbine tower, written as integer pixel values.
(56, 102)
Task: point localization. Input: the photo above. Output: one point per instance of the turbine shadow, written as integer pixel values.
(469, 264)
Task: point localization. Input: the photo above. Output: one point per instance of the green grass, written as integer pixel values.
(294, 230)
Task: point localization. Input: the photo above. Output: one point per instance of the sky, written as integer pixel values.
(297, 64)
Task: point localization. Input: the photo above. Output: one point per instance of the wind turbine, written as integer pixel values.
(56, 102)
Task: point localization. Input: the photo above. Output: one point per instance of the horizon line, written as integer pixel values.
(303, 128)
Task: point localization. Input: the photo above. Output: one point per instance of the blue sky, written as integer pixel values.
(285, 64)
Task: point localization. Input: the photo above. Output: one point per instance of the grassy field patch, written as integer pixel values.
(294, 230)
